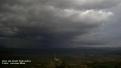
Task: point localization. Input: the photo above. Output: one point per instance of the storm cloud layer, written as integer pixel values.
(59, 23)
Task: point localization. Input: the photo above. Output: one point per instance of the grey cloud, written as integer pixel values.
(84, 4)
(53, 23)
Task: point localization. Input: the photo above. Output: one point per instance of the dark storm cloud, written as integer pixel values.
(52, 23)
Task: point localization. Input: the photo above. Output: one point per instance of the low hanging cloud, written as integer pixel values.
(55, 23)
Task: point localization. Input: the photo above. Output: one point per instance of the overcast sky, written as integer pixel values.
(60, 23)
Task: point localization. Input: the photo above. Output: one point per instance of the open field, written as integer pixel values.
(64, 58)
